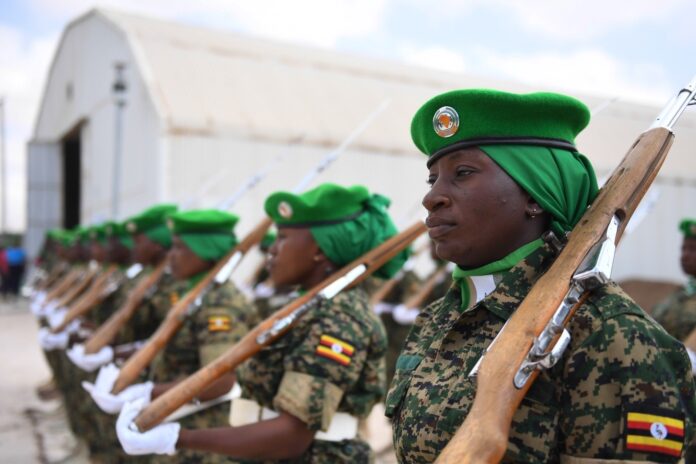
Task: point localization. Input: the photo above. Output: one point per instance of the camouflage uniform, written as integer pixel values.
(224, 318)
(619, 362)
(677, 313)
(293, 376)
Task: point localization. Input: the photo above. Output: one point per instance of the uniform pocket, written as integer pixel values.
(405, 365)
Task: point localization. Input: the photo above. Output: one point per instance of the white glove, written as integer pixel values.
(404, 315)
(110, 403)
(37, 303)
(89, 362)
(56, 316)
(50, 341)
(159, 440)
(48, 308)
(383, 308)
(692, 357)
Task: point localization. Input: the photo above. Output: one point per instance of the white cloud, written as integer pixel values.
(434, 57)
(588, 71)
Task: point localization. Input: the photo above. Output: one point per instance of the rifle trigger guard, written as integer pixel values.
(544, 361)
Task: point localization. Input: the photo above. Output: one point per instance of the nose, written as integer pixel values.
(436, 197)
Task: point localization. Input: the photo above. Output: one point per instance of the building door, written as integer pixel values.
(72, 178)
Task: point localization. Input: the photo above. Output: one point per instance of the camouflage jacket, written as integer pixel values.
(223, 318)
(619, 382)
(333, 360)
(677, 313)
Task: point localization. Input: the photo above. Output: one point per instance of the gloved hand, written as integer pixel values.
(383, 308)
(56, 316)
(159, 440)
(89, 362)
(404, 315)
(50, 341)
(110, 403)
(37, 303)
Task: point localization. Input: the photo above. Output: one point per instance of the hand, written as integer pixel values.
(50, 341)
(90, 362)
(383, 308)
(404, 315)
(112, 404)
(56, 316)
(158, 440)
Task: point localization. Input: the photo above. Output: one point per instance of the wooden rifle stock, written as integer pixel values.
(249, 345)
(63, 284)
(483, 436)
(94, 295)
(106, 333)
(424, 292)
(386, 288)
(176, 315)
(73, 293)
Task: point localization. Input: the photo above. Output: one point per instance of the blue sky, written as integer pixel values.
(635, 50)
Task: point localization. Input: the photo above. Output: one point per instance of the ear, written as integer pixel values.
(532, 208)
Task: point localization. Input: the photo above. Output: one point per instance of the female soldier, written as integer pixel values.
(304, 395)
(499, 179)
(200, 238)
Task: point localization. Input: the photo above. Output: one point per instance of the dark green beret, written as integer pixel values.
(151, 218)
(688, 228)
(325, 204)
(98, 232)
(203, 221)
(65, 237)
(474, 117)
(115, 229)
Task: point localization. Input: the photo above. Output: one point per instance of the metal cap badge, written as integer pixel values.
(285, 210)
(446, 122)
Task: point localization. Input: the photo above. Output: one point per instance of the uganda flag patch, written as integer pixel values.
(654, 430)
(218, 324)
(335, 349)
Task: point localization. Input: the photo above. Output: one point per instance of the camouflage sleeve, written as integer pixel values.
(677, 314)
(224, 319)
(627, 394)
(322, 368)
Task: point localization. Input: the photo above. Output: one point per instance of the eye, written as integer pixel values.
(463, 171)
(431, 180)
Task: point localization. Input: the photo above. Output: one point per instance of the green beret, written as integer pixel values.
(209, 233)
(98, 232)
(54, 234)
(65, 237)
(346, 222)
(153, 223)
(119, 231)
(474, 117)
(688, 228)
(325, 204)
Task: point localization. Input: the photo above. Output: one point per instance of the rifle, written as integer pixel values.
(79, 286)
(535, 336)
(416, 300)
(275, 326)
(63, 284)
(106, 332)
(383, 292)
(220, 274)
(100, 288)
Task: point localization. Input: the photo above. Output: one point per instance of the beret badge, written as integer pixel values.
(285, 210)
(446, 122)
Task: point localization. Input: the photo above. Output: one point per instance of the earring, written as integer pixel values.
(328, 270)
(533, 213)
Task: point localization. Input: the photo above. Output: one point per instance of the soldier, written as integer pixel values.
(303, 396)
(200, 239)
(499, 180)
(677, 313)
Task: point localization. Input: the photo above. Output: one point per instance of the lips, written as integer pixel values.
(438, 226)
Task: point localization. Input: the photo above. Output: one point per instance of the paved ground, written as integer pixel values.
(31, 431)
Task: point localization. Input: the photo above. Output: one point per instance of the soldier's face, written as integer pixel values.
(476, 212)
(145, 251)
(183, 262)
(688, 256)
(291, 257)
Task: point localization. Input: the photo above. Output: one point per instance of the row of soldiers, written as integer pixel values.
(96, 272)
(507, 191)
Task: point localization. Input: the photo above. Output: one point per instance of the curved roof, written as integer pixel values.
(212, 83)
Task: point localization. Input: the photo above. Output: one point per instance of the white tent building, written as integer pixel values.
(207, 109)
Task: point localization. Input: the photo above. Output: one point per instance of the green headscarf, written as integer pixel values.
(561, 181)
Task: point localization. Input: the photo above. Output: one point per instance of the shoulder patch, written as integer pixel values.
(335, 349)
(218, 324)
(656, 431)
